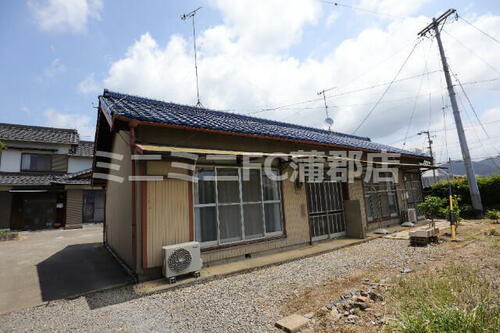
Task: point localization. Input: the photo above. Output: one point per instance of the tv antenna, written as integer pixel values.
(328, 120)
(185, 17)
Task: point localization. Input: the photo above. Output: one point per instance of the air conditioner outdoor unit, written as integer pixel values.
(412, 215)
(180, 259)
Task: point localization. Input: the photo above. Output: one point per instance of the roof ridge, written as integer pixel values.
(113, 94)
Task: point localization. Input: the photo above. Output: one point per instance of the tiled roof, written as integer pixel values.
(182, 115)
(26, 179)
(23, 179)
(84, 149)
(15, 132)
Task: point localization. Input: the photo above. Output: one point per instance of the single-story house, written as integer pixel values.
(175, 173)
(45, 179)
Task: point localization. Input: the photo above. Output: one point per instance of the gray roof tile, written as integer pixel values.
(182, 115)
(84, 149)
(15, 132)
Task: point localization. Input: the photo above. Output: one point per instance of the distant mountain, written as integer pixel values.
(484, 167)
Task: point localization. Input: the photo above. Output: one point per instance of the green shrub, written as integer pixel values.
(493, 214)
(456, 212)
(489, 187)
(432, 207)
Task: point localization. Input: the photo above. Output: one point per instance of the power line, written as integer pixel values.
(471, 106)
(373, 12)
(342, 94)
(416, 97)
(481, 142)
(481, 31)
(472, 52)
(388, 87)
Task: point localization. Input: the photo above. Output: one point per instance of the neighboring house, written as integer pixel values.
(232, 218)
(45, 178)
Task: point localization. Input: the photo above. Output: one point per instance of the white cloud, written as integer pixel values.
(89, 85)
(244, 65)
(267, 25)
(55, 67)
(391, 8)
(82, 123)
(332, 18)
(65, 15)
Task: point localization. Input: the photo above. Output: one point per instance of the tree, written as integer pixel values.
(432, 207)
(2, 146)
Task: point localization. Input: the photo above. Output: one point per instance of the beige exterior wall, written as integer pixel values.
(167, 217)
(168, 209)
(118, 198)
(195, 139)
(74, 208)
(355, 190)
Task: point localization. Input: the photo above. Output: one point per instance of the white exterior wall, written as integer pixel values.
(76, 164)
(11, 157)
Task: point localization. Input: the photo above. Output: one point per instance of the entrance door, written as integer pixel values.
(326, 209)
(39, 211)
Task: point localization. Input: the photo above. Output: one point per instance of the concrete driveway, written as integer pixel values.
(47, 265)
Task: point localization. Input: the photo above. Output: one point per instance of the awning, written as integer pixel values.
(189, 150)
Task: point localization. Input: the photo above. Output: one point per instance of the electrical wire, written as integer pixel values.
(472, 52)
(481, 31)
(481, 142)
(426, 55)
(388, 87)
(373, 12)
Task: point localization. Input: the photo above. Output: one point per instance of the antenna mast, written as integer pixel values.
(328, 120)
(185, 17)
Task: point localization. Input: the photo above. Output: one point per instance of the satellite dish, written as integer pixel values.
(329, 121)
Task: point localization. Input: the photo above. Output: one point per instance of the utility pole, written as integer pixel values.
(185, 17)
(429, 140)
(477, 206)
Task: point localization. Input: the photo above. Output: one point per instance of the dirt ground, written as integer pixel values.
(479, 244)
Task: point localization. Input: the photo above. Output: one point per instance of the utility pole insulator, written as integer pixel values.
(477, 205)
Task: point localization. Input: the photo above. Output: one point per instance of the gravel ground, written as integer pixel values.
(248, 302)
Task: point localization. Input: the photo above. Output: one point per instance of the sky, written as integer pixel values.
(268, 59)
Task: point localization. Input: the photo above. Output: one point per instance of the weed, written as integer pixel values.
(456, 299)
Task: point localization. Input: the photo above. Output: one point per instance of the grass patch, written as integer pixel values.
(455, 299)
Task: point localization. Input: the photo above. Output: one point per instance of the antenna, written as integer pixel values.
(328, 120)
(185, 17)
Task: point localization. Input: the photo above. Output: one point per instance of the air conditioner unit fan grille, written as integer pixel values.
(179, 260)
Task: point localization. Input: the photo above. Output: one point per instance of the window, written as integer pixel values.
(380, 200)
(36, 162)
(93, 206)
(413, 188)
(234, 204)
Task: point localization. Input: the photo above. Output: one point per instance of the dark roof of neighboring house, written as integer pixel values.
(154, 111)
(15, 132)
(84, 149)
(23, 179)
